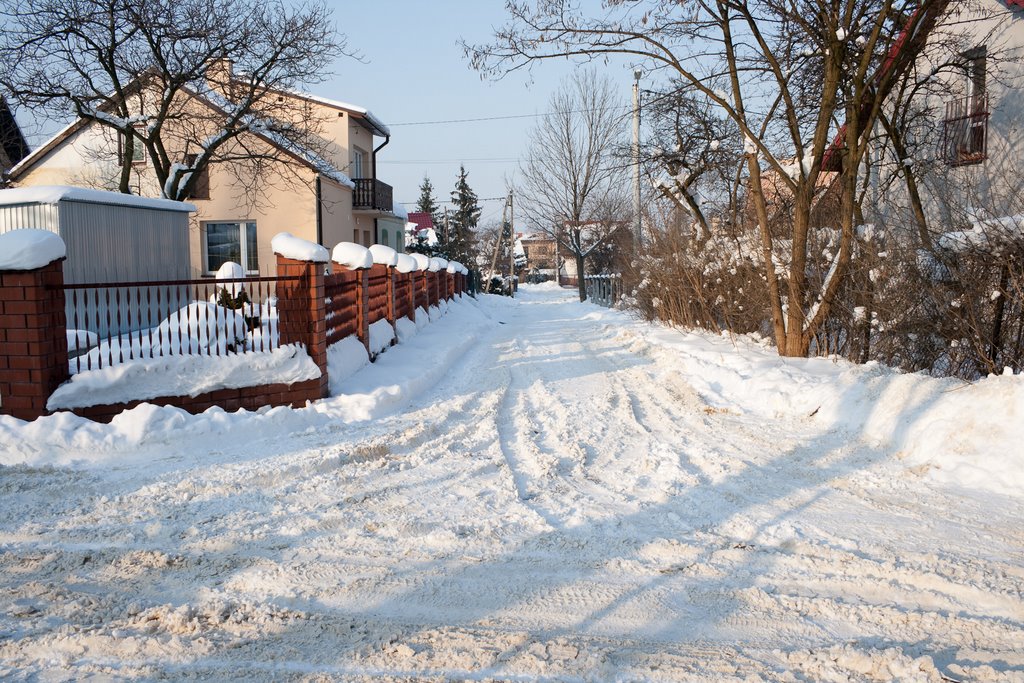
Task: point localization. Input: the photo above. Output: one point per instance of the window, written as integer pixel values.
(201, 189)
(358, 162)
(384, 237)
(225, 242)
(138, 150)
(965, 129)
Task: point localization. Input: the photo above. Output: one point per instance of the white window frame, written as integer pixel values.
(243, 250)
(358, 162)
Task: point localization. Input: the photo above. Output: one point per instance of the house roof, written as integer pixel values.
(1015, 3)
(375, 124)
(13, 143)
(298, 152)
(422, 219)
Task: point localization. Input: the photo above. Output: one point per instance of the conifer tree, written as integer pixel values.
(427, 203)
(462, 222)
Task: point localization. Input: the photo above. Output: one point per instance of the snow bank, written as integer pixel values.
(406, 329)
(183, 376)
(381, 336)
(29, 248)
(384, 255)
(436, 264)
(344, 359)
(352, 255)
(959, 433)
(290, 246)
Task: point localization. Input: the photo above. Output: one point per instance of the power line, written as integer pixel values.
(502, 118)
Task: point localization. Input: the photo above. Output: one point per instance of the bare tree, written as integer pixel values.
(803, 82)
(193, 82)
(570, 175)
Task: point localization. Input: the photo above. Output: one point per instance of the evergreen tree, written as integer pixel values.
(427, 203)
(462, 222)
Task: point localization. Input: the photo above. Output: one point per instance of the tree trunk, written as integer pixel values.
(796, 343)
(999, 308)
(580, 284)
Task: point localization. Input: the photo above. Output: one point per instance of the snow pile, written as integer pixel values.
(436, 264)
(344, 359)
(405, 329)
(230, 270)
(351, 255)
(381, 336)
(29, 248)
(81, 339)
(383, 255)
(187, 375)
(959, 433)
(289, 246)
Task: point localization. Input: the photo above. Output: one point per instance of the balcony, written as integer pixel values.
(965, 131)
(372, 195)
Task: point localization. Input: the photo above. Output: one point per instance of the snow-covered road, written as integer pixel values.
(563, 504)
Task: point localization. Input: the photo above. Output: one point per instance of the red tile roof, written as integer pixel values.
(421, 219)
(1015, 3)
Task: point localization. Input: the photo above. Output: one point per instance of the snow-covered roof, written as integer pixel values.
(51, 194)
(44, 148)
(376, 123)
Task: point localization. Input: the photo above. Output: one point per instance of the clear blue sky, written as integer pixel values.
(413, 70)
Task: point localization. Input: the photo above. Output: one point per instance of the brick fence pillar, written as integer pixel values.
(301, 311)
(33, 339)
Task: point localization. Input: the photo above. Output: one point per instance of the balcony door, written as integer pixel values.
(359, 163)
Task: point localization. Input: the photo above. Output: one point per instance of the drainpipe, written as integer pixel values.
(319, 213)
(376, 229)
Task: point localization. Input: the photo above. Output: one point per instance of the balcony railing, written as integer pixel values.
(965, 131)
(372, 194)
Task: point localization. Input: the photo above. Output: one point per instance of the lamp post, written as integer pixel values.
(637, 228)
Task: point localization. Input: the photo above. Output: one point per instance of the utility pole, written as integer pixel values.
(638, 237)
(446, 235)
(497, 248)
(512, 245)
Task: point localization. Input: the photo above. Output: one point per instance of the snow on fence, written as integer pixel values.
(113, 323)
(604, 290)
(311, 304)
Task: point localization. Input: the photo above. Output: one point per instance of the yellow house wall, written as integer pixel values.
(290, 207)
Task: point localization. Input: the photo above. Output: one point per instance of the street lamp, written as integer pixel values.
(637, 234)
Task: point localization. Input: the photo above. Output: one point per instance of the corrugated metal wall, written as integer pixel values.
(111, 243)
(119, 243)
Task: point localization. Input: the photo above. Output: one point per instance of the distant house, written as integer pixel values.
(420, 225)
(331, 197)
(540, 254)
(13, 147)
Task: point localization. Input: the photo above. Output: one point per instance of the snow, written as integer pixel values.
(400, 212)
(381, 336)
(570, 495)
(230, 270)
(374, 121)
(344, 359)
(51, 194)
(405, 264)
(81, 339)
(436, 264)
(384, 255)
(289, 246)
(405, 329)
(352, 255)
(29, 248)
(182, 376)
(422, 261)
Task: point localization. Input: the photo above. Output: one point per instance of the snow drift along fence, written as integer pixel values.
(113, 323)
